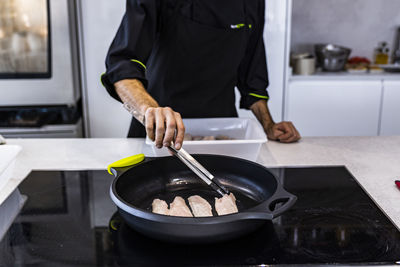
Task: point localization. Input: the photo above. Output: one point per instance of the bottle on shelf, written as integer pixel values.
(382, 54)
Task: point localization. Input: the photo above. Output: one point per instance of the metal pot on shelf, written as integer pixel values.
(331, 57)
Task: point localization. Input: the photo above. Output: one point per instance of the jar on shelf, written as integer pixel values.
(382, 54)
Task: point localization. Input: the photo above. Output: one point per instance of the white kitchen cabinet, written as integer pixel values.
(334, 108)
(390, 123)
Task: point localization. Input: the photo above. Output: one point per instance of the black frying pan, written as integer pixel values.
(260, 197)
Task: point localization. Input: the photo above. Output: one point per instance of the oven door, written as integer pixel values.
(38, 53)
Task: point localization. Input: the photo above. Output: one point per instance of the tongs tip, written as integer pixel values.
(198, 169)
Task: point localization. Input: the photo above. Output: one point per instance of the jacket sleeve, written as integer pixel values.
(253, 73)
(132, 45)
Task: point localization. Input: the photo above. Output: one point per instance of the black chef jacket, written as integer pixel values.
(190, 54)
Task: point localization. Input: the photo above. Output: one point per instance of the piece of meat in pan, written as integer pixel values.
(226, 204)
(178, 207)
(160, 207)
(200, 207)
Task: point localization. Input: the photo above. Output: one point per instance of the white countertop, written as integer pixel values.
(374, 161)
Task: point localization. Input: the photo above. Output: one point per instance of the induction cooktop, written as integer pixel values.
(69, 219)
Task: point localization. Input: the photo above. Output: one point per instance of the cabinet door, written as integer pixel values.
(334, 108)
(390, 124)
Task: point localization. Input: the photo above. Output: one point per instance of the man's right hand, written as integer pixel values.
(163, 125)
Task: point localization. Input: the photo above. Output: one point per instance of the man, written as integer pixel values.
(182, 58)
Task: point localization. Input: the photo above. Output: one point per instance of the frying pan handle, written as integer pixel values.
(280, 202)
(273, 207)
(124, 164)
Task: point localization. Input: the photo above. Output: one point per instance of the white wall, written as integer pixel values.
(357, 24)
(101, 19)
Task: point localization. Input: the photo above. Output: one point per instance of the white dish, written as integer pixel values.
(390, 67)
(247, 133)
(354, 71)
(8, 155)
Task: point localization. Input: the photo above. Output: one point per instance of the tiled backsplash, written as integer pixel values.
(357, 24)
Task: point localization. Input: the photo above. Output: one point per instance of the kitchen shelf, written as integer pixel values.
(340, 76)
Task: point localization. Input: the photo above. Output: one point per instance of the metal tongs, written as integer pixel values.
(186, 158)
(198, 169)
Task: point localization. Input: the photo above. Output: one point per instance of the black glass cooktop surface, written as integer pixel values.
(68, 219)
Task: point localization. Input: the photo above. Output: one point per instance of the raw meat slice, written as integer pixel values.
(200, 207)
(160, 206)
(223, 137)
(178, 207)
(187, 137)
(226, 204)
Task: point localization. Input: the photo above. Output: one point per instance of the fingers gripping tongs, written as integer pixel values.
(186, 158)
(199, 170)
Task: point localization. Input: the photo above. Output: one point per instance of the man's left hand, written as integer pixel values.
(284, 132)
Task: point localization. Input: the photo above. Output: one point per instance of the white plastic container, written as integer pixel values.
(247, 133)
(8, 155)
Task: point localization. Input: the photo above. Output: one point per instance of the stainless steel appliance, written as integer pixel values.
(40, 122)
(396, 48)
(72, 221)
(38, 59)
(24, 39)
(39, 64)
